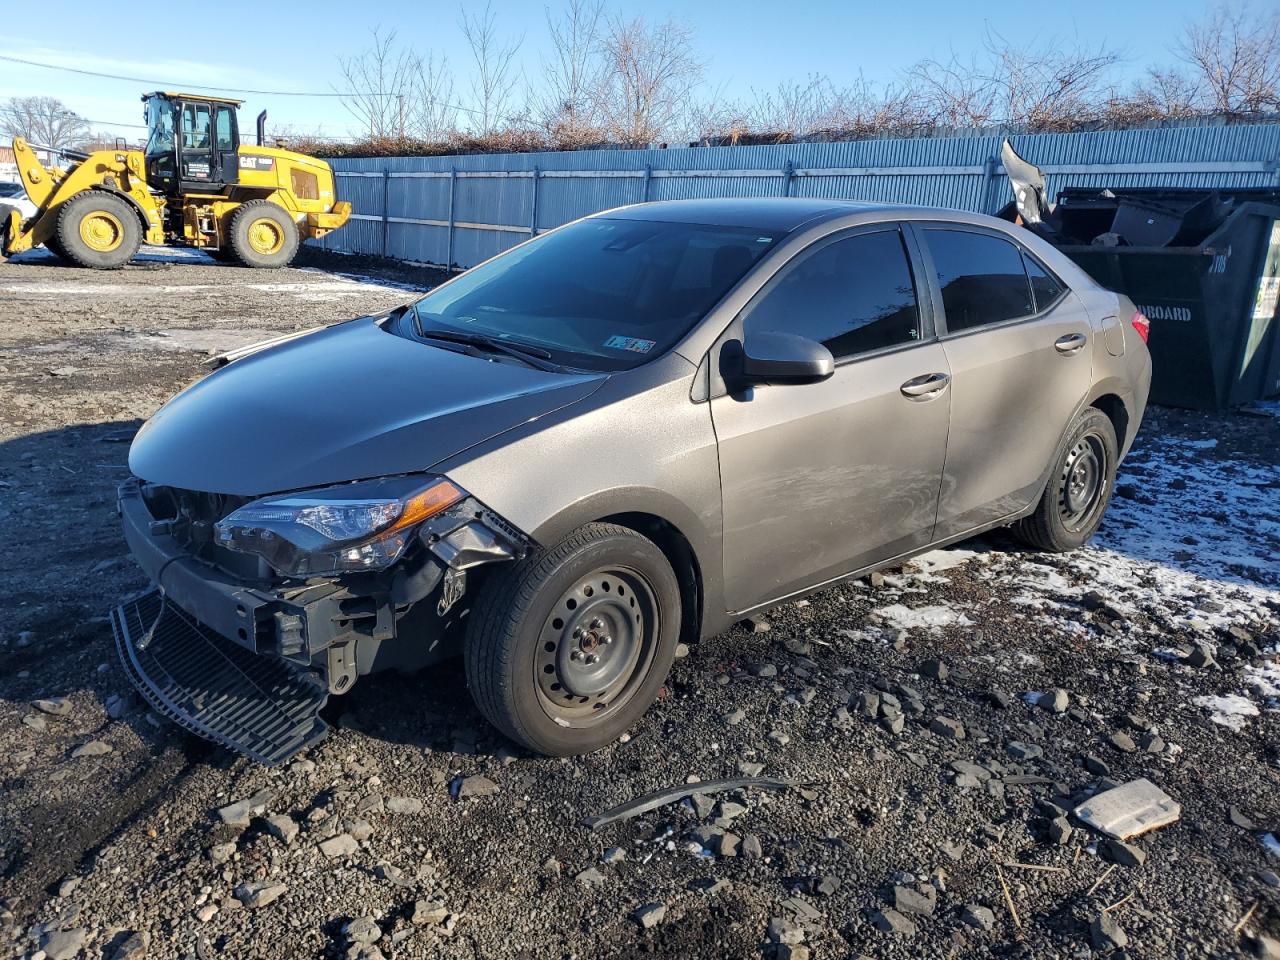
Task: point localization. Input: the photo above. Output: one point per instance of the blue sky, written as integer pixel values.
(746, 43)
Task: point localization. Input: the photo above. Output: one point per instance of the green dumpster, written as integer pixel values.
(1215, 334)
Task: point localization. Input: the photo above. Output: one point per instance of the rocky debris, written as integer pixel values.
(1151, 743)
(590, 877)
(93, 748)
(63, 944)
(404, 806)
(867, 704)
(1105, 933)
(889, 920)
(222, 852)
(53, 706)
(934, 670)
(751, 848)
(36, 722)
(1023, 751)
(282, 827)
(735, 717)
(343, 845)
(207, 912)
(978, 916)
(132, 947)
(1125, 854)
(363, 930)
(1055, 701)
(650, 915)
(1059, 830)
(1129, 810)
(429, 913)
(239, 814)
(764, 670)
(1264, 947)
(1121, 741)
(947, 727)
(1096, 765)
(613, 855)
(919, 900)
(783, 930)
(475, 786)
(1202, 655)
(259, 893)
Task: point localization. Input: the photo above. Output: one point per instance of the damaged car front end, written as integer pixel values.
(261, 608)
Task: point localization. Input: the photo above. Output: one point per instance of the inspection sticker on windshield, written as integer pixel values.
(634, 344)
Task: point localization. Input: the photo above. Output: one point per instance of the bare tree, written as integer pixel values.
(432, 113)
(567, 107)
(954, 92)
(379, 85)
(496, 73)
(649, 70)
(1235, 50)
(45, 121)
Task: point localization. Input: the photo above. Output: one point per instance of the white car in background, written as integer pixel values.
(15, 195)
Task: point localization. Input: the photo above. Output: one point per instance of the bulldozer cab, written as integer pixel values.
(192, 143)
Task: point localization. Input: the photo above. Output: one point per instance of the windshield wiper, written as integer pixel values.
(533, 356)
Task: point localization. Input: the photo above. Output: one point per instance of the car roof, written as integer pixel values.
(763, 213)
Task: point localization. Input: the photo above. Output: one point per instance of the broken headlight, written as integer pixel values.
(351, 528)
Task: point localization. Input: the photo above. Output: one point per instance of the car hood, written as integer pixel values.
(348, 402)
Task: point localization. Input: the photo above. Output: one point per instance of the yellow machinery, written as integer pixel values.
(194, 184)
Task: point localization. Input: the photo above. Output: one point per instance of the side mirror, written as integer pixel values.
(779, 358)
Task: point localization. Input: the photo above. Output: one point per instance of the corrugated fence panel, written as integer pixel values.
(465, 209)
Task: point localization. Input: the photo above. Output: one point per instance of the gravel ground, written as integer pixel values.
(415, 831)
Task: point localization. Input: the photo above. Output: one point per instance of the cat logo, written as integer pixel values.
(257, 163)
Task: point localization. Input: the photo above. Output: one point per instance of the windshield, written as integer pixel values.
(159, 126)
(600, 294)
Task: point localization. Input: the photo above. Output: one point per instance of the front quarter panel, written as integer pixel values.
(639, 444)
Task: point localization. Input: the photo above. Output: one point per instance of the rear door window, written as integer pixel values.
(1045, 287)
(854, 296)
(982, 278)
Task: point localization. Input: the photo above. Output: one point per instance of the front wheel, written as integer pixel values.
(568, 647)
(262, 234)
(1079, 488)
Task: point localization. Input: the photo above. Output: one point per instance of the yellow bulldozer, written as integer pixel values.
(194, 184)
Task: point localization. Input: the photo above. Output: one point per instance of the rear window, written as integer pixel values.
(982, 278)
(1045, 287)
(601, 294)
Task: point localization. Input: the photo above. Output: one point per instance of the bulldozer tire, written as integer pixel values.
(54, 247)
(98, 230)
(263, 235)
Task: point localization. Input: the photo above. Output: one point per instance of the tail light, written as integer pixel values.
(1142, 325)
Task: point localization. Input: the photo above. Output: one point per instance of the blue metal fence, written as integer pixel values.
(463, 209)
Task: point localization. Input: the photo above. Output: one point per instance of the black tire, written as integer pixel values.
(604, 592)
(1079, 488)
(256, 220)
(54, 247)
(98, 230)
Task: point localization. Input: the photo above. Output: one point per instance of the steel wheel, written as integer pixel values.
(1084, 470)
(596, 645)
(101, 231)
(265, 236)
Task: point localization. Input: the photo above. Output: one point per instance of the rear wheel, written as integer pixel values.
(1079, 489)
(262, 234)
(97, 229)
(567, 648)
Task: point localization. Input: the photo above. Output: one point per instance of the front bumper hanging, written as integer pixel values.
(262, 706)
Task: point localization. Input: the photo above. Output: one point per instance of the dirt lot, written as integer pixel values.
(111, 843)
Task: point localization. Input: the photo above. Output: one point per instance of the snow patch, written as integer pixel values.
(1231, 711)
(933, 617)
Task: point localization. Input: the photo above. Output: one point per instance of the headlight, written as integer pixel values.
(351, 528)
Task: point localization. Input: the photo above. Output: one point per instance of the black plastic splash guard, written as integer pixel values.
(258, 705)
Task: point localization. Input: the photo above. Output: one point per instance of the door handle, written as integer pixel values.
(1071, 343)
(925, 387)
